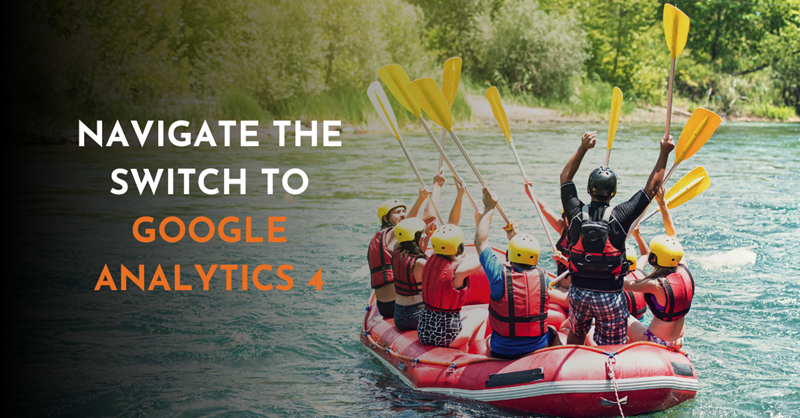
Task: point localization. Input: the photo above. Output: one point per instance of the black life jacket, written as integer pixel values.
(594, 263)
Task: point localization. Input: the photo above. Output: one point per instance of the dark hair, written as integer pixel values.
(411, 248)
(657, 273)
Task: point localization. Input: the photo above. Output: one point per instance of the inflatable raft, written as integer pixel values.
(570, 381)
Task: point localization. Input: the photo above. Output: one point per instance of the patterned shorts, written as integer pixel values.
(438, 328)
(608, 309)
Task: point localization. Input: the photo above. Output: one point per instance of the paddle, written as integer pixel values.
(502, 120)
(686, 189)
(676, 30)
(431, 99)
(397, 80)
(700, 126)
(613, 119)
(452, 73)
(384, 109)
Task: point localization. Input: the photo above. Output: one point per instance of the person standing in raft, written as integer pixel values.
(668, 289)
(445, 283)
(408, 262)
(597, 234)
(383, 244)
(518, 290)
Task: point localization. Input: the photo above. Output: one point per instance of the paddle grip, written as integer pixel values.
(421, 182)
(475, 170)
(447, 160)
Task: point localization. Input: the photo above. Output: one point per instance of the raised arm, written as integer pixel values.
(557, 222)
(644, 249)
(423, 194)
(438, 182)
(669, 225)
(485, 220)
(588, 142)
(455, 212)
(657, 175)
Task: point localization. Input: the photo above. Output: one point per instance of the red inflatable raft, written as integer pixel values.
(570, 381)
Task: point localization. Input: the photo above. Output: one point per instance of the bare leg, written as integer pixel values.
(636, 330)
(469, 325)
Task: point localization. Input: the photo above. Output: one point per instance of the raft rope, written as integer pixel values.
(610, 366)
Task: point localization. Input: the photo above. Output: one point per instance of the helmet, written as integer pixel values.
(665, 251)
(523, 249)
(630, 254)
(602, 183)
(388, 206)
(407, 229)
(447, 239)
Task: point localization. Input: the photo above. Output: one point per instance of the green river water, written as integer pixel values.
(80, 352)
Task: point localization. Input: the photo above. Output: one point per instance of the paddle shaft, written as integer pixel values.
(639, 219)
(669, 96)
(608, 156)
(441, 157)
(533, 195)
(421, 182)
(675, 196)
(447, 160)
(475, 170)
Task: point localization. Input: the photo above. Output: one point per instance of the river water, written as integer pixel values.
(80, 352)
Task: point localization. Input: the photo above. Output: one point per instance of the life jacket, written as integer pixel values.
(636, 303)
(522, 311)
(562, 245)
(437, 285)
(403, 268)
(594, 263)
(380, 259)
(679, 289)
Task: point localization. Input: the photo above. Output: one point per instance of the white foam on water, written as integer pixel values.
(362, 272)
(730, 260)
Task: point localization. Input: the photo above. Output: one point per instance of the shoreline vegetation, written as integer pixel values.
(553, 61)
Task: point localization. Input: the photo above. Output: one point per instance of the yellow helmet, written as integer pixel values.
(406, 229)
(447, 239)
(388, 206)
(523, 249)
(630, 254)
(665, 251)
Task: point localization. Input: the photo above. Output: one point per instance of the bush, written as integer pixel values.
(529, 50)
(236, 105)
(772, 112)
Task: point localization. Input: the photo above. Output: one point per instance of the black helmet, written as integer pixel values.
(602, 183)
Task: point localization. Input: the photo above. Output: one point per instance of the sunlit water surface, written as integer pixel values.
(251, 353)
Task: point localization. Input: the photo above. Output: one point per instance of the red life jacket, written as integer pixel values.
(437, 285)
(522, 311)
(562, 245)
(636, 303)
(594, 263)
(403, 268)
(679, 289)
(380, 259)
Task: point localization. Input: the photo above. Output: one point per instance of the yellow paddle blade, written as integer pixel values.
(452, 74)
(430, 98)
(499, 113)
(397, 80)
(688, 187)
(698, 129)
(613, 117)
(676, 29)
(382, 106)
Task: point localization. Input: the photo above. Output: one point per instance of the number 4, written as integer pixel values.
(317, 280)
